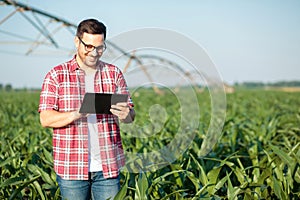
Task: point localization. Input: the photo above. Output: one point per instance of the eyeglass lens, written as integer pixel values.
(90, 47)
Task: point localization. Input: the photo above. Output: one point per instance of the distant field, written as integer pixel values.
(257, 157)
(285, 89)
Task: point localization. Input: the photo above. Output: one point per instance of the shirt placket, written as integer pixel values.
(82, 127)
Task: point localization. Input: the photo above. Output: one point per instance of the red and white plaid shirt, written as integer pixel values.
(63, 90)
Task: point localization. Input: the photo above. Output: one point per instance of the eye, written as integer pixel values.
(89, 47)
(100, 47)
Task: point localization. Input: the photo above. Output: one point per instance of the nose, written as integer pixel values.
(94, 52)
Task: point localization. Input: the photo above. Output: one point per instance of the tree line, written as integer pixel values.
(9, 87)
(274, 84)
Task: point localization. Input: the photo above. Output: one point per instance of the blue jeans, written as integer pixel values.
(97, 187)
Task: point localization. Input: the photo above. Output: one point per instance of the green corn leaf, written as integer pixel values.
(278, 189)
(213, 177)
(193, 179)
(141, 187)
(203, 177)
(39, 189)
(169, 196)
(162, 177)
(221, 183)
(283, 156)
(48, 156)
(122, 193)
(200, 191)
(45, 176)
(230, 189)
(22, 186)
(12, 181)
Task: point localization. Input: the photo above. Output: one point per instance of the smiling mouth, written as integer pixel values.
(93, 59)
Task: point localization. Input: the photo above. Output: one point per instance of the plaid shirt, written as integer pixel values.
(63, 90)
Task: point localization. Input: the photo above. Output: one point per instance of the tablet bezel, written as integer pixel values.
(100, 103)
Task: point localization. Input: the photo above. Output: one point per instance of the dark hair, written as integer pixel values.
(91, 26)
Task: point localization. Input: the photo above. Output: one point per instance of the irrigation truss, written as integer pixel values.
(28, 31)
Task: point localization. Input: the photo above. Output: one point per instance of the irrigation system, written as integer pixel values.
(46, 37)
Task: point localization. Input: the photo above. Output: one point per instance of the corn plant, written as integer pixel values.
(257, 156)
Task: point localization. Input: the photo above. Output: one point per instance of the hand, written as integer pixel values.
(121, 110)
(76, 115)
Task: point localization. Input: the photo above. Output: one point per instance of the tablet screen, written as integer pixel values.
(100, 103)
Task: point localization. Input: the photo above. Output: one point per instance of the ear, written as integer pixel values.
(76, 41)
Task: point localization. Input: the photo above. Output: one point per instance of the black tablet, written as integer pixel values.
(100, 103)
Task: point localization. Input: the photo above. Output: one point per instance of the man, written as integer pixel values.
(87, 149)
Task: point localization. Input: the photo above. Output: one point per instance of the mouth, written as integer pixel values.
(92, 59)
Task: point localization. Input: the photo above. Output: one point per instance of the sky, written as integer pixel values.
(247, 40)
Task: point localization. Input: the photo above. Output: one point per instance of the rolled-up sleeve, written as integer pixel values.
(49, 93)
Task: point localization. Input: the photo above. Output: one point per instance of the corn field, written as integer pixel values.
(257, 157)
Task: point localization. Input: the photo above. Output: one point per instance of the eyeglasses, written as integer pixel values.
(89, 47)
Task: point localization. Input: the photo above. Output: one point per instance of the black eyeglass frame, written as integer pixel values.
(90, 48)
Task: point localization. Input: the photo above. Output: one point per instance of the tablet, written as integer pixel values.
(100, 103)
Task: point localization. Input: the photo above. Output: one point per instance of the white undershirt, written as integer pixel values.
(94, 149)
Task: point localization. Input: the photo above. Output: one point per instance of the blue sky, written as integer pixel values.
(248, 40)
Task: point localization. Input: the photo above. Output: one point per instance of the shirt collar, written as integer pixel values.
(74, 65)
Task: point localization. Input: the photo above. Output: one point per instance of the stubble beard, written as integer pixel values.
(89, 61)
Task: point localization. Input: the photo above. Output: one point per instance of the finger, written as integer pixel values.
(123, 104)
(123, 108)
(115, 112)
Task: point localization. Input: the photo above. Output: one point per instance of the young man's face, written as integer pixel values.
(90, 41)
